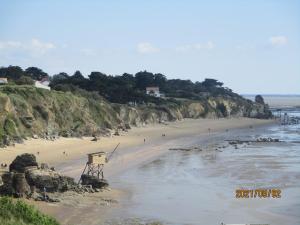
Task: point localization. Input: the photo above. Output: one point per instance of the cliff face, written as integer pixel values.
(26, 111)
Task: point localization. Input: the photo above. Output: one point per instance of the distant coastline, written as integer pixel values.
(278, 100)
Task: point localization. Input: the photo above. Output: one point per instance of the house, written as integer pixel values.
(3, 80)
(153, 91)
(43, 83)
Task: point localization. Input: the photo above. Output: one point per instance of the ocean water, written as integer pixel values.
(198, 187)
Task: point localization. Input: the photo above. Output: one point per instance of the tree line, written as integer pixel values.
(120, 88)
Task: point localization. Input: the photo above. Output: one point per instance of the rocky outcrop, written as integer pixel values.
(27, 179)
(95, 182)
(51, 180)
(22, 162)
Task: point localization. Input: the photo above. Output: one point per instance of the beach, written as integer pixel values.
(132, 153)
(52, 152)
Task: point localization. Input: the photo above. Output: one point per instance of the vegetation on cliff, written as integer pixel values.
(79, 106)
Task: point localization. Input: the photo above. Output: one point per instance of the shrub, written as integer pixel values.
(20, 213)
(24, 80)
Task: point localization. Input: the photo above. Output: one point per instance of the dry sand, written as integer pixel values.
(52, 151)
(133, 151)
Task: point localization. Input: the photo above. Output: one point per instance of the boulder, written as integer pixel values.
(95, 182)
(49, 179)
(20, 185)
(21, 162)
(7, 187)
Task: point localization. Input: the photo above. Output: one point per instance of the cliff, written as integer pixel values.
(26, 111)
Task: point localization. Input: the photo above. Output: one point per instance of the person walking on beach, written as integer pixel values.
(144, 140)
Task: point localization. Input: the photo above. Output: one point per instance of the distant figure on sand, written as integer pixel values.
(144, 140)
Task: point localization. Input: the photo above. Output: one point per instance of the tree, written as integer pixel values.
(259, 99)
(11, 72)
(35, 73)
(160, 80)
(211, 83)
(78, 79)
(60, 78)
(144, 79)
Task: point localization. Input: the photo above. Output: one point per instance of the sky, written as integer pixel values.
(253, 47)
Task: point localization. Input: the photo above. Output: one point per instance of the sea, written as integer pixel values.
(199, 187)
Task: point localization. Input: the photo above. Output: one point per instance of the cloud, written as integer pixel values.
(10, 44)
(278, 40)
(40, 47)
(198, 46)
(146, 48)
(34, 46)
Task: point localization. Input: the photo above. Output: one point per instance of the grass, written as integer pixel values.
(20, 213)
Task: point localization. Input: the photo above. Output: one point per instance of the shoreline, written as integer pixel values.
(132, 153)
(51, 152)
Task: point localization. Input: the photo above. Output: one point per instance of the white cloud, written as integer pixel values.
(10, 44)
(198, 46)
(278, 40)
(34, 46)
(146, 48)
(40, 47)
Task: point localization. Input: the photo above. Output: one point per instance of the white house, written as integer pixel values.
(44, 83)
(153, 91)
(3, 80)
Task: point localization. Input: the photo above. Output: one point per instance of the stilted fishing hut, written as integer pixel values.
(95, 164)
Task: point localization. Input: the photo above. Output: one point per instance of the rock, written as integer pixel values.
(27, 121)
(49, 179)
(95, 139)
(117, 133)
(44, 166)
(35, 136)
(21, 162)
(7, 188)
(66, 133)
(20, 185)
(1, 182)
(127, 126)
(95, 182)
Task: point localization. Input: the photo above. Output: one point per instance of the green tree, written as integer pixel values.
(11, 72)
(35, 73)
(208, 83)
(144, 79)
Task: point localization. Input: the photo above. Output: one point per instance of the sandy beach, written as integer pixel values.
(51, 152)
(133, 151)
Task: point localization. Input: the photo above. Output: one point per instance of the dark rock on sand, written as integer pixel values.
(6, 188)
(95, 182)
(49, 179)
(21, 162)
(20, 185)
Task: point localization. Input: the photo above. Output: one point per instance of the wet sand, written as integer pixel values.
(51, 152)
(198, 187)
(132, 153)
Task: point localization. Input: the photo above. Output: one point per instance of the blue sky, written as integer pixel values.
(251, 46)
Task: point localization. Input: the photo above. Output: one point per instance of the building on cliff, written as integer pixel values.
(44, 83)
(3, 80)
(153, 91)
